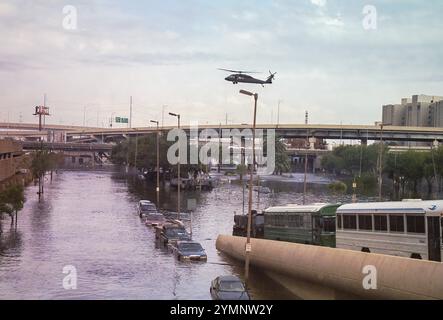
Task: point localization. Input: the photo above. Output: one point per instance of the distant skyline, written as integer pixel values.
(167, 54)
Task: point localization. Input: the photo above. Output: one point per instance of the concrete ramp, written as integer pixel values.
(313, 272)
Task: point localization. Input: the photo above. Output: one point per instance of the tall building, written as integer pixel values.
(436, 114)
(420, 111)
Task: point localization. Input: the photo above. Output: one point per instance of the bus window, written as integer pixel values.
(350, 222)
(339, 224)
(380, 223)
(415, 224)
(397, 223)
(328, 224)
(365, 222)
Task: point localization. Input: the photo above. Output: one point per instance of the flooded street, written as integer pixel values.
(89, 220)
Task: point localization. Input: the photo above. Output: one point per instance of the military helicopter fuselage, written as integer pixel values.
(242, 77)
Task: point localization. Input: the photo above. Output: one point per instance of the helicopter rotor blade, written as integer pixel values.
(237, 71)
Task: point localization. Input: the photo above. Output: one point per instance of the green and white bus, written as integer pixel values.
(308, 224)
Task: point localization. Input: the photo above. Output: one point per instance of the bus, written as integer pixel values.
(307, 224)
(408, 228)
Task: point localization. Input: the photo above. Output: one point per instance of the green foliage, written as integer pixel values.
(282, 161)
(338, 187)
(242, 169)
(44, 161)
(366, 183)
(350, 159)
(146, 146)
(12, 199)
(408, 169)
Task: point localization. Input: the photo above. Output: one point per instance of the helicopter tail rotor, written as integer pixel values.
(271, 77)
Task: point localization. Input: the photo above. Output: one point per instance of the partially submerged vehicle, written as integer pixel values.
(228, 288)
(189, 250)
(146, 207)
(155, 219)
(171, 232)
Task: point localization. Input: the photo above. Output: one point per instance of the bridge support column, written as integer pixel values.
(364, 141)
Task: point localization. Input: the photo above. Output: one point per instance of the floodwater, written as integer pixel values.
(88, 220)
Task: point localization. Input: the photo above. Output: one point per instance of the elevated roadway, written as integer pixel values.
(321, 131)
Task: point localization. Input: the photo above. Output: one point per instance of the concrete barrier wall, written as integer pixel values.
(339, 270)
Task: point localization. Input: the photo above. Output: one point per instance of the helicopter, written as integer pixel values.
(242, 76)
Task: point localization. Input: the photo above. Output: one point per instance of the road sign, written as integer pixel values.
(41, 110)
(121, 120)
(248, 247)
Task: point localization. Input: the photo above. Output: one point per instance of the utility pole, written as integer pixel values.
(178, 168)
(157, 190)
(41, 111)
(278, 113)
(130, 112)
(306, 170)
(380, 164)
(136, 151)
(220, 148)
(306, 160)
(44, 105)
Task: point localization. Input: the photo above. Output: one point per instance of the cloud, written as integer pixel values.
(168, 52)
(7, 9)
(319, 3)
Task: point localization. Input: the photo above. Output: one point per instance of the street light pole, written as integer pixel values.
(158, 165)
(178, 168)
(306, 170)
(380, 165)
(251, 178)
(380, 159)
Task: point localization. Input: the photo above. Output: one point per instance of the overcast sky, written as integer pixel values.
(167, 53)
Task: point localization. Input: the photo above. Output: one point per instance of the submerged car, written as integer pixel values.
(172, 232)
(228, 288)
(154, 219)
(189, 250)
(146, 207)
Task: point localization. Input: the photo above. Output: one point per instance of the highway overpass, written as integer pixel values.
(363, 133)
(320, 131)
(59, 146)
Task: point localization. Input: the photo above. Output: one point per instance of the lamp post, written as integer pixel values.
(157, 190)
(305, 177)
(178, 168)
(380, 165)
(251, 174)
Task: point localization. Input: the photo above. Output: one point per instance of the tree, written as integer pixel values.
(353, 160)
(42, 162)
(242, 170)
(282, 161)
(124, 152)
(12, 200)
